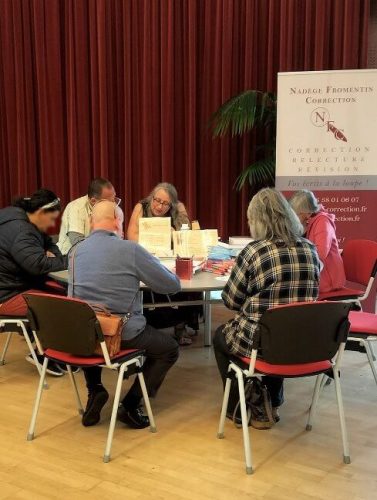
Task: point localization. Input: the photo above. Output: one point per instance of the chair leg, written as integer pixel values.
(319, 384)
(37, 402)
(110, 435)
(147, 403)
(245, 427)
(32, 352)
(368, 350)
(372, 350)
(323, 382)
(31, 348)
(343, 428)
(224, 408)
(75, 390)
(7, 342)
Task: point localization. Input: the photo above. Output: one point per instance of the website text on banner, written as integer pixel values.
(327, 143)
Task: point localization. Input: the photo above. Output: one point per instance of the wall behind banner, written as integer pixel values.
(125, 89)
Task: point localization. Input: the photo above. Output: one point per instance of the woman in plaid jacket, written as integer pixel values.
(278, 267)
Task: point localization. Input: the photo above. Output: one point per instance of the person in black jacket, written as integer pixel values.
(27, 253)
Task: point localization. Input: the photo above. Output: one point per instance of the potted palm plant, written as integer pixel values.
(252, 109)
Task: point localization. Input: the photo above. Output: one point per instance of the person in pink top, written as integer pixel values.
(319, 226)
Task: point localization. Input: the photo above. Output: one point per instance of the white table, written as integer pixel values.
(201, 282)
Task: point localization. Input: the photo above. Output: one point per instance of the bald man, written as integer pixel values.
(108, 270)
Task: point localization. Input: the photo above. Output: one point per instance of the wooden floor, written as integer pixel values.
(184, 460)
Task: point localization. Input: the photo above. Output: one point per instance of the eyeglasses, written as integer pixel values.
(52, 204)
(163, 203)
(116, 200)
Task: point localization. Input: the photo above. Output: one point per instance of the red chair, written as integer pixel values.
(13, 324)
(360, 266)
(363, 329)
(63, 326)
(297, 340)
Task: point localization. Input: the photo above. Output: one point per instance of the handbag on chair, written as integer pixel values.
(111, 324)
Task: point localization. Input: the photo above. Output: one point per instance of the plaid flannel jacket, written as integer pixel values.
(267, 274)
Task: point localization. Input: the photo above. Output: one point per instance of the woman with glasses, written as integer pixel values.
(163, 202)
(27, 253)
(319, 227)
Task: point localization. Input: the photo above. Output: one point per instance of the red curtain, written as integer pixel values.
(125, 89)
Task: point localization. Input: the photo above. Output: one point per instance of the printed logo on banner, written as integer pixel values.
(320, 117)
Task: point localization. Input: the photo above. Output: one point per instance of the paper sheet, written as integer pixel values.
(194, 243)
(155, 235)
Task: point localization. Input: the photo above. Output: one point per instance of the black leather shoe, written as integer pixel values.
(96, 401)
(133, 418)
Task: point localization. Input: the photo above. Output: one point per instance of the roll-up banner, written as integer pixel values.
(327, 143)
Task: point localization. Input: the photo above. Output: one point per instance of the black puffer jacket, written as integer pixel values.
(23, 261)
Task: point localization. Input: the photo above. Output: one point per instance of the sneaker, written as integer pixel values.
(52, 367)
(259, 419)
(261, 424)
(256, 422)
(182, 341)
(96, 401)
(63, 368)
(134, 418)
(235, 418)
(275, 413)
(181, 335)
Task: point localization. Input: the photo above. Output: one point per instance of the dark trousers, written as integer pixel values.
(165, 317)
(223, 355)
(161, 353)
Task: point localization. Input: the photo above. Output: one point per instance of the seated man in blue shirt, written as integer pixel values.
(108, 270)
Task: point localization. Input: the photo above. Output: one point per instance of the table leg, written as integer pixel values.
(207, 319)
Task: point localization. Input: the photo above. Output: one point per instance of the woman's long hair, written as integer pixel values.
(271, 218)
(173, 195)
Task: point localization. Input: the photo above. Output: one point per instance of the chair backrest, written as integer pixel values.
(302, 332)
(63, 324)
(360, 260)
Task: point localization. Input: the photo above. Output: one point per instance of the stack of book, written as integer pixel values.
(220, 267)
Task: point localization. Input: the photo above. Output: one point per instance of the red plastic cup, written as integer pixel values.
(184, 268)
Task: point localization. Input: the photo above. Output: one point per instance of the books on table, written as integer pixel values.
(239, 241)
(155, 235)
(194, 243)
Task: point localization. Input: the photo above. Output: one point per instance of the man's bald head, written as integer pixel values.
(103, 211)
(108, 216)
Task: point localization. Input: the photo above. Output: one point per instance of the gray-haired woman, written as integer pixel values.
(277, 268)
(163, 202)
(320, 229)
